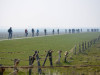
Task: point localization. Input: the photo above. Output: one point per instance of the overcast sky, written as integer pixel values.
(50, 13)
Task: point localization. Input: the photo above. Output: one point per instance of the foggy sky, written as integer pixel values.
(50, 13)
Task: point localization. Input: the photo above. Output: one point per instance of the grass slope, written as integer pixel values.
(24, 48)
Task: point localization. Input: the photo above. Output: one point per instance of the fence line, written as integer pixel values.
(82, 48)
(28, 67)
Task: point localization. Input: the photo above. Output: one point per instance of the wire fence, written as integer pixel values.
(35, 59)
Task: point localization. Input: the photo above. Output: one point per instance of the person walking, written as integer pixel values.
(10, 33)
(58, 31)
(33, 32)
(26, 32)
(53, 31)
(45, 32)
(37, 33)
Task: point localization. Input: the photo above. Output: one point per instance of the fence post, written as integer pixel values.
(49, 53)
(88, 45)
(45, 59)
(50, 57)
(99, 37)
(75, 50)
(30, 63)
(1, 70)
(85, 45)
(58, 61)
(59, 56)
(79, 48)
(16, 62)
(66, 54)
(38, 62)
(82, 46)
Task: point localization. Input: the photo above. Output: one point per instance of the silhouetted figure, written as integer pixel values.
(73, 30)
(33, 32)
(10, 33)
(65, 30)
(45, 31)
(88, 30)
(69, 30)
(78, 30)
(53, 31)
(37, 33)
(91, 30)
(58, 31)
(81, 30)
(26, 32)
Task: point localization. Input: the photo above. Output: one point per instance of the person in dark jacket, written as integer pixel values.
(10, 33)
(26, 32)
(33, 32)
(45, 31)
(37, 33)
(53, 31)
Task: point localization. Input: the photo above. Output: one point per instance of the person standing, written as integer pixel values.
(53, 31)
(37, 33)
(33, 32)
(26, 32)
(45, 32)
(10, 33)
(65, 31)
(58, 31)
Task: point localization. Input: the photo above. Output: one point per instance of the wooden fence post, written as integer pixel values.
(99, 37)
(1, 70)
(50, 57)
(38, 62)
(66, 55)
(49, 53)
(88, 44)
(16, 62)
(82, 46)
(30, 63)
(59, 56)
(79, 48)
(45, 59)
(85, 45)
(75, 50)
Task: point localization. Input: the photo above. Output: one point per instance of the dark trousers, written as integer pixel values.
(10, 36)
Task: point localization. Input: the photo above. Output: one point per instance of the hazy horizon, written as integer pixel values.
(62, 14)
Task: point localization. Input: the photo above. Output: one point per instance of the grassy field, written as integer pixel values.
(23, 48)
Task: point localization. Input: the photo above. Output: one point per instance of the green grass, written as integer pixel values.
(42, 44)
(23, 48)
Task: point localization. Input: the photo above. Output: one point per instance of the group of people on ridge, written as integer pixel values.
(33, 32)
